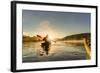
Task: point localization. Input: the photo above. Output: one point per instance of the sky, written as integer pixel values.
(56, 24)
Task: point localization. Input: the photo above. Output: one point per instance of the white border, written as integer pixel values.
(37, 65)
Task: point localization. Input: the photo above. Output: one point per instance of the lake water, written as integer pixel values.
(59, 51)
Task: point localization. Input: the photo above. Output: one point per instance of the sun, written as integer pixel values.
(50, 37)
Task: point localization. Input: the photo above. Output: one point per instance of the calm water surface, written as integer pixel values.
(58, 51)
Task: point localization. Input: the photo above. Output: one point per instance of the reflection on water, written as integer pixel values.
(58, 51)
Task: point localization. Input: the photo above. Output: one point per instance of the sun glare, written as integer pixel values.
(44, 29)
